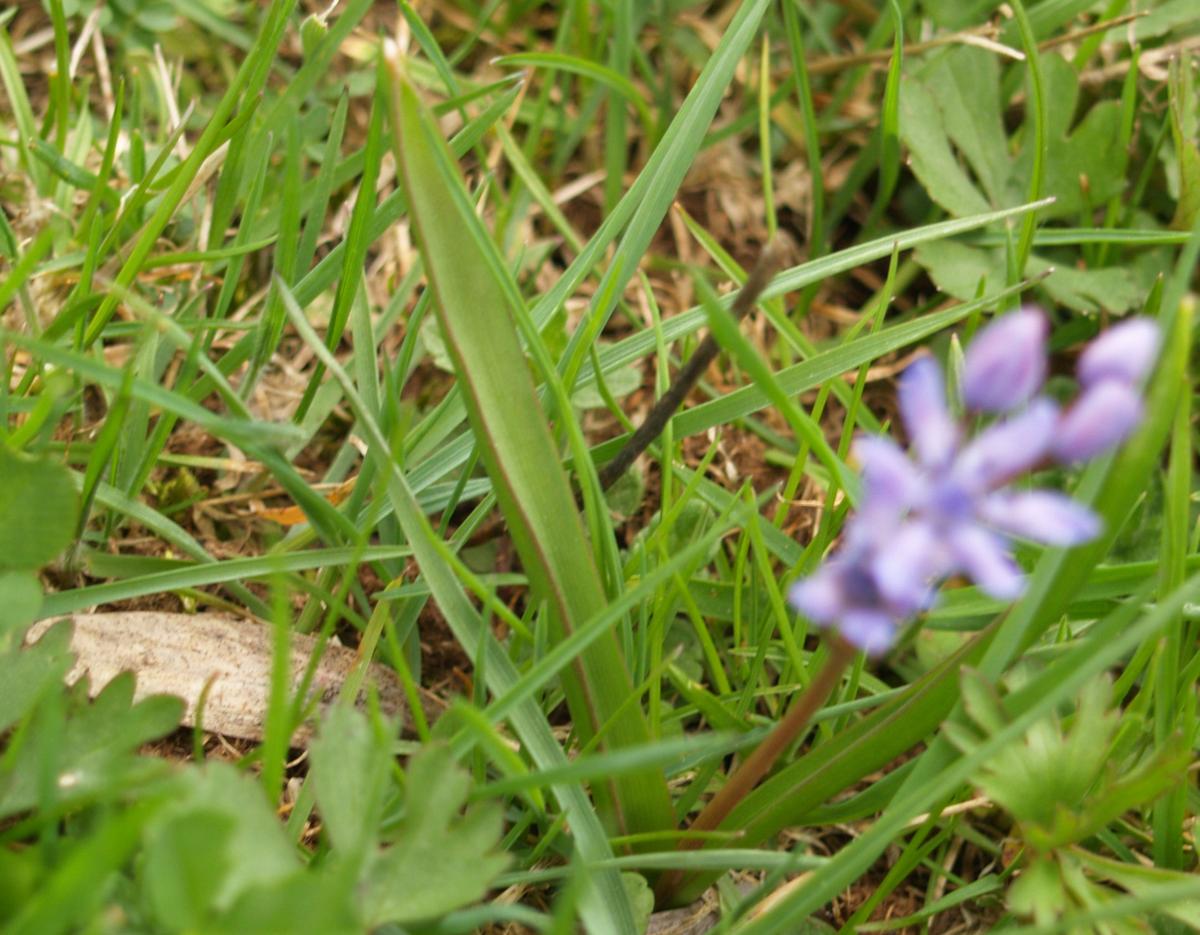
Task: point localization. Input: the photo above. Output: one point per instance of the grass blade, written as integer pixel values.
(472, 289)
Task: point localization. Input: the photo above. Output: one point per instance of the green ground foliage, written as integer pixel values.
(327, 316)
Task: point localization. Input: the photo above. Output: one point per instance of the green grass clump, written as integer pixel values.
(330, 317)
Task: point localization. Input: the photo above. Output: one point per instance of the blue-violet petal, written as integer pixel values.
(819, 597)
(1008, 449)
(891, 482)
(871, 631)
(985, 560)
(905, 567)
(922, 397)
(1041, 516)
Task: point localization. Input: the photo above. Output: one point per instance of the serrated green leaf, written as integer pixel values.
(256, 850)
(952, 110)
(1147, 882)
(441, 858)
(958, 269)
(97, 755)
(966, 85)
(26, 673)
(303, 902)
(350, 770)
(1038, 892)
(1087, 169)
(931, 156)
(1045, 777)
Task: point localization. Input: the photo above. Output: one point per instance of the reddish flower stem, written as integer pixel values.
(759, 762)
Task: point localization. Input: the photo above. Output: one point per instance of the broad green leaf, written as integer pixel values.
(476, 301)
(954, 128)
(186, 857)
(1084, 153)
(958, 269)
(38, 505)
(952, 107)
(441, 857)
(931, 155)
(351, 773)
(956, 14)
(966, 86)
(21, 597)
(26, 673)
(255, 851)
(306, 901)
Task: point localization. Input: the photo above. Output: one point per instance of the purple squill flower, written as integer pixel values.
(949, 507)
(953, 520)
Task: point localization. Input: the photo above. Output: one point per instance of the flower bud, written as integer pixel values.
(1103, 417)
(1006, 363)
(1124, 353)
